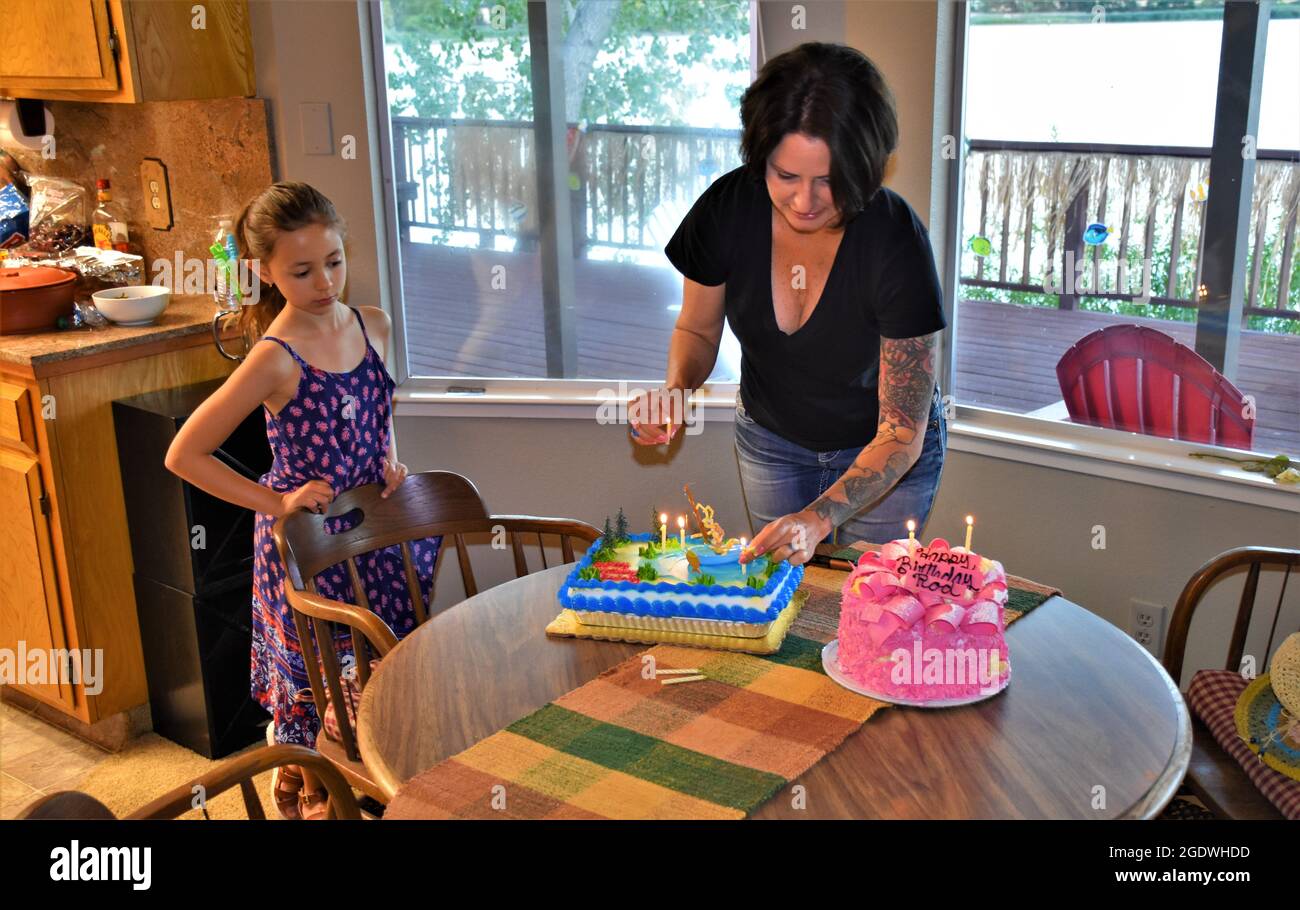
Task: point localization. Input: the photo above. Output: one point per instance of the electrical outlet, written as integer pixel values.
(157, 194)
(1147, 625)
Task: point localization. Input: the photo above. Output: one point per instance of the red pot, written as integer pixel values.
(32, 298)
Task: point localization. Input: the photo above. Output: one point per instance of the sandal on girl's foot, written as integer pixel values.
(314, 806)
(286, 785)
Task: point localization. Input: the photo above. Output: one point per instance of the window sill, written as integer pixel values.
(577, 399)
(1115, 455)
(1128, 457)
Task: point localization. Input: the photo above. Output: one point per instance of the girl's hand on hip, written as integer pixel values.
(394, 474)
(313, 496)
(655, 417)
(791, 537)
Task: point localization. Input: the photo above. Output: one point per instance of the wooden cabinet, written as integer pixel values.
(30, 614)
(125, 50)
(66, 571)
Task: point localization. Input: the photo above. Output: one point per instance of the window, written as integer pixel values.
(650, 98)
(1083, 218)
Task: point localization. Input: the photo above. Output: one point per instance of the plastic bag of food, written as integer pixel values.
(59, 222)
(13, 216)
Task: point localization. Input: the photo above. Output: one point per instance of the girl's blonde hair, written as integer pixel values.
(278, 209)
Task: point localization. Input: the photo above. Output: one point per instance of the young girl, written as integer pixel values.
(328, 403)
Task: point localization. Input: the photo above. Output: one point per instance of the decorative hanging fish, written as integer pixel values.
(980, 246)
(1096, 233)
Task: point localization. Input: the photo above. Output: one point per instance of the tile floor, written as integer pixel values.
(37, 758)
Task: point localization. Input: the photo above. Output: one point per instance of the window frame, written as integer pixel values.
(514, 389)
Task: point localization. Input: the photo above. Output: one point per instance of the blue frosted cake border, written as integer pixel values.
(607, 596)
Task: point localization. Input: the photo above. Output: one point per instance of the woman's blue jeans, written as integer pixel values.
(779, 478)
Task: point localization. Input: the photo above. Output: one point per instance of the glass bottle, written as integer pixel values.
(109, 221)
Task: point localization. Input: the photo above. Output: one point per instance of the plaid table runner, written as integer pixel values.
(624, 746)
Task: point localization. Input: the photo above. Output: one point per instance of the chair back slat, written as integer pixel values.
(566, 547)
(252, 804)
(466, 570)
(521, 561)
(413, 585)
(1241, 625)
(329, 658)
(358, 586)
(307, 644)
(1277, 613)
(361, 655)
(1255, 558)
(541, 545)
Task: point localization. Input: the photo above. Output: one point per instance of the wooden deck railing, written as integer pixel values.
(478, 175)
(1034, 202)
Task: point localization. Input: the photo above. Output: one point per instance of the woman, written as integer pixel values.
(828, 282)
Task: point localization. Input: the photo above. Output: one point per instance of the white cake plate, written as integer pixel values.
(831, 664)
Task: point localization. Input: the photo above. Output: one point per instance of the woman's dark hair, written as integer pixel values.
(278, 209)
(833, 93)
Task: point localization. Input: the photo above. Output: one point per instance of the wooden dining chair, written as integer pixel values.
(69, 805)
(429, 504)
(1214, 775)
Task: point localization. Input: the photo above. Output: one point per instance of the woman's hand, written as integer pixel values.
(313, 496)
(394, 474)
(656, 416)
(791, 537)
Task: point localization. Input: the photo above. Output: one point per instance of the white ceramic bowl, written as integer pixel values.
(133, 305)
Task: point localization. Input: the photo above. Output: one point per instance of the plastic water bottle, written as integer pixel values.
(224, 251)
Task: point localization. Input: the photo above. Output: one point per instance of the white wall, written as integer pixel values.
(311, 51)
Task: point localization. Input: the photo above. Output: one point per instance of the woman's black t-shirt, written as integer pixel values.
(817, 386)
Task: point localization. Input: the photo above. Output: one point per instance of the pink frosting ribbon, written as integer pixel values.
(891, 604)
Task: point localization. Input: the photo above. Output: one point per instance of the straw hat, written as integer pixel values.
(1268, 711)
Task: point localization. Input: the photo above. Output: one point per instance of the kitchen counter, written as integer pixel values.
(68, 580)
(186, 322)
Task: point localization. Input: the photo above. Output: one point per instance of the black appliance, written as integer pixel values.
(193, 557)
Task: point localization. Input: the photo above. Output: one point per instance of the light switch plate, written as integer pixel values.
(317, 136)
(157, 194)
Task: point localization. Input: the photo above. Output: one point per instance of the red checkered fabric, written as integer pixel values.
(1212, 697)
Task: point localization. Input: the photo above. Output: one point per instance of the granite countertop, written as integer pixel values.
(185, 315)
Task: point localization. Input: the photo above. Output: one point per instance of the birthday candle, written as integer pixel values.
(970, 525)
(681, 529)
(744, 566)
(663, 530)
(911, 539)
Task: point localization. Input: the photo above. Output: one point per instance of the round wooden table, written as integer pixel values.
(1090, 727)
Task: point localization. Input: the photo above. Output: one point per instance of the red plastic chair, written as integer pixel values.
(1129, 377)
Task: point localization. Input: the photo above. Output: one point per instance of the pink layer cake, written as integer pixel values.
(924, 624)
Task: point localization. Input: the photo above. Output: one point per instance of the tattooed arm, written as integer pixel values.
(906, 384)
(907, 368)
